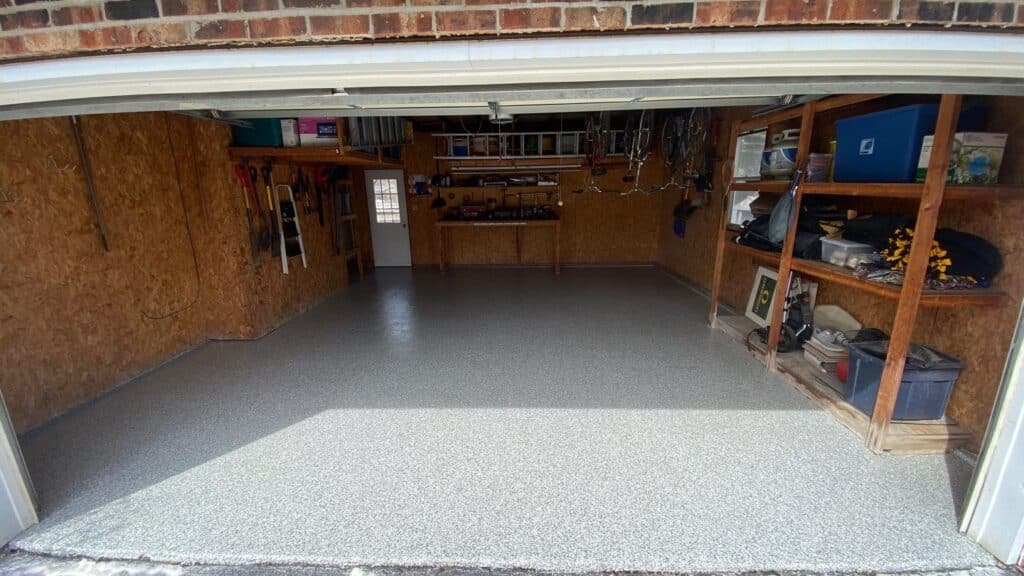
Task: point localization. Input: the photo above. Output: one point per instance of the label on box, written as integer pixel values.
(318, 132)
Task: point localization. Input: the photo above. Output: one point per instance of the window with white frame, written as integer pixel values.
(385, 201)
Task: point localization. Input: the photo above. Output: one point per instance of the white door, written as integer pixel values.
(17, 498)
(389, 226)
(994, 516)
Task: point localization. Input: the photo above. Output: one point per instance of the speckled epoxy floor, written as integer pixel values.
(499, 418)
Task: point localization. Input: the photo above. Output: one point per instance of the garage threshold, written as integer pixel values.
(508, 419)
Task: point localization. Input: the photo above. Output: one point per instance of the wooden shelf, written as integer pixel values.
(910, 191)
(762, 255)
(470, 189)
(903, 437)
(311, 155)
(778, 186)
(793, 112)
(929, 298)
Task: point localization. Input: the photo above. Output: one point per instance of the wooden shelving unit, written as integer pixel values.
(761, 255)
(903, 437)
(311, 155)
(929, 298)
(509, 189)
(879, 432)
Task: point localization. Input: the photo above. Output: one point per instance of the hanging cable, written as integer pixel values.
(188, 230)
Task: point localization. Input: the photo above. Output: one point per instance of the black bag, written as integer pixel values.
(970, 255)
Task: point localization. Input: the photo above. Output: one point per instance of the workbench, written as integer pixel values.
(443, 226)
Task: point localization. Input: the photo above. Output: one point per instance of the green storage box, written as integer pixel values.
(264, 132)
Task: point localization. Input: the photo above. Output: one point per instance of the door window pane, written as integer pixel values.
(385, 201)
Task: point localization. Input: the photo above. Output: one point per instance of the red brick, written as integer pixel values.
(662, 15)
(277, 27)
(729, 13)
(402, 24)
(189, 7)
(435, 2)
(311, 3)
(861, 10)
(249, 5)
(795, 11)
(111, 37)
(171, 34)
(12, 46)
(926, 11)
(26, 19)
(531, 19)
(220, 30)
(607, 18)
(75, 15)
(466, 22)
(493, 2)
(985, 12)
(345, 25)
(51, 42)
(374, 3)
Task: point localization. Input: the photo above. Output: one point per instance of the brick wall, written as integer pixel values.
(38, 28)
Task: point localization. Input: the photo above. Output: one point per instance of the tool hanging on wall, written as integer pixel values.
(288, 227)
(254, 241)
(320, 182)
(275, 223)
(336, 178)
(265, 225)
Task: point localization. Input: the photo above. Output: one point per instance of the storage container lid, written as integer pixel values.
(919, 357)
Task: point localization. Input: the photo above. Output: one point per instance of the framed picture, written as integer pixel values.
(762, 296)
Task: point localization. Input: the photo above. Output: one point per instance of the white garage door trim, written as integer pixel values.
(908, 55)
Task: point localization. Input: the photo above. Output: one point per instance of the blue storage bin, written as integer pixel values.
(264, 132)
(923, 393)
(883, 146)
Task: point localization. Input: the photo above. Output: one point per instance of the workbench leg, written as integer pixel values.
(913, 278)
(558, 248)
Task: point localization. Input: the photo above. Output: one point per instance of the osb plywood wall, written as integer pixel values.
(78, 320)
(596, 228)
(978, 336)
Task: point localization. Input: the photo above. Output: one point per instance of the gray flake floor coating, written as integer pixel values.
(487, 418)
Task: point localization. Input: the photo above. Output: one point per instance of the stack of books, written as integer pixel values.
(824, 350)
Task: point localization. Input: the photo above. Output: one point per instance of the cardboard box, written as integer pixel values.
(318, 132)
(976, 158)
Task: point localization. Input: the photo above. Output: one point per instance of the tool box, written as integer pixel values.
(883, 146)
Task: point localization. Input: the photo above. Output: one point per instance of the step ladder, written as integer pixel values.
(288, 228)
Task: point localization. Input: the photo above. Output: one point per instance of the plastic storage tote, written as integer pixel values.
(839, 252)
(923, 393)
(883, 146)
(264, 132)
